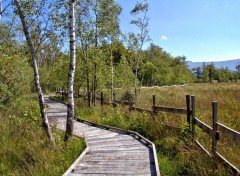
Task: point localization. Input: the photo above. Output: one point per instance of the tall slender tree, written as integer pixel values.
(97, 28)
(70, 111)
(45, 122)
(141, 21)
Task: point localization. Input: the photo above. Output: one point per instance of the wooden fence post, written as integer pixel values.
(193, 117)
(101, 98)
(130, 102)
(214, 127)
(188, 110)
(114, 99)
(154, 104)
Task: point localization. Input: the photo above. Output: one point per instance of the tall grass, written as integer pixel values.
(177, 154)
(24, 148)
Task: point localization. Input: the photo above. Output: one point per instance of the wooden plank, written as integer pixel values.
(102, 136)
(116, 166)
(97, 131)
(119, 162)
(116, 151)
(111, 172)
(236, 170)
(202, 148)
(228, 132)
(112, 149)
(87, 130)
(113, 140)
(116, 143)
(96, 134)
(119, 130)
(127, 174)
(203, 126)
(141, 109)
(102, 170)
(91, 135)
(130, 153)
(71, 168)
(170, 109)
(118, 146)
(117, 157)
(122, 102)
(85, 126)
(124, 147)
(154, 169)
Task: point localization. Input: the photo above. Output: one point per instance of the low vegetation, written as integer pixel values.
(177, 154)
(24, 146)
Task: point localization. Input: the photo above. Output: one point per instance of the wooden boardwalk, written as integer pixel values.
(109, 151)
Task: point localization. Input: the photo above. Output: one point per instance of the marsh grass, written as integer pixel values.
(24, 146)
(177, 154)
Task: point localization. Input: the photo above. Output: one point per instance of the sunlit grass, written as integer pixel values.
(24, 148)
(178, 155)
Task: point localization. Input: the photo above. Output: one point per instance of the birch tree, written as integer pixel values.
(141, 21)
(112, 12)
(107, 29)
(44, 117)
(70, 111)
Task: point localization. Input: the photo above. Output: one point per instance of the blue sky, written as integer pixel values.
(202, 30)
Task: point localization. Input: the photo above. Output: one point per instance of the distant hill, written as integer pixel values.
(230, 64)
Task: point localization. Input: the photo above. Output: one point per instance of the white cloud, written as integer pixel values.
(163, 37)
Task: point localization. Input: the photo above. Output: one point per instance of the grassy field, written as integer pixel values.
(176, 153)
(24, 148)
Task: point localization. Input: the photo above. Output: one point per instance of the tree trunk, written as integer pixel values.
(36, 74)
(70, 112)
(0, 10)
(94, 85)
(136, 75)
(88, 86)
(112, 77)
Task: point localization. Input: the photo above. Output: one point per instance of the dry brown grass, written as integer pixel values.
(176, 153)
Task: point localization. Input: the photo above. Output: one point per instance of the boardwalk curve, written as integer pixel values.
(110, 151)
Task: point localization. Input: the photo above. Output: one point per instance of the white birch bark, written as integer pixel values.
(70, 112)
(45, 122)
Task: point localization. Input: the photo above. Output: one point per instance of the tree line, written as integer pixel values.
(79, 45)
(209, 73)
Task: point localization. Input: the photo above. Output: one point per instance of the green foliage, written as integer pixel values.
(15, 73)
(139, 7)
(209, 73)
(124, 76)
(55, 75)
(24, 146)
(160, 68)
